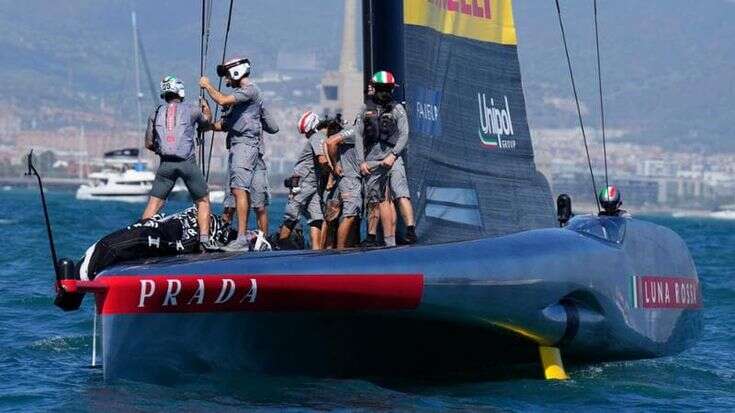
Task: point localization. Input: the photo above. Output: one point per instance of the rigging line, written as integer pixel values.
(206, 35)
(371, 17)
(206, 25)
(154, 97)
(219, 87)
(201, 42)
(579, 109)
(202, 59)
(602, 105)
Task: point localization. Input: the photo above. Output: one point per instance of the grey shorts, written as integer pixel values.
(260, 195)
(398, 180)
(169, 171)
(350, 193)
(375, 186)
(307, 202)
(241, 164)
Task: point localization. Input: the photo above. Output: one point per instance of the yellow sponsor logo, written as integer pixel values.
(483, 20)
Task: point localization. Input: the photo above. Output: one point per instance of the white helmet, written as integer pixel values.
(307, 122)
(171, 84)
(235, 69)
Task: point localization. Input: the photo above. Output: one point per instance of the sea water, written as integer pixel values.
(45, 354)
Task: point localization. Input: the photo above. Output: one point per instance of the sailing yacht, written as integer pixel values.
(124, 175)
(497, 280)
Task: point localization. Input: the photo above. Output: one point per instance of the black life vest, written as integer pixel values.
(380, 124)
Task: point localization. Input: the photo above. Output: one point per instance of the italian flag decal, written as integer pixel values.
(384, 77)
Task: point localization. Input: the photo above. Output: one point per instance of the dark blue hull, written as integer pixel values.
(483, 306)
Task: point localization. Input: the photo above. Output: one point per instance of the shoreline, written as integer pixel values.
(69, 184)
(675, 212)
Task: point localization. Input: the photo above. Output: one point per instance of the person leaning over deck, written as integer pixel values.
(305, 195)
(242, 122)
(341, 149)
(381, 135)
(171, 134)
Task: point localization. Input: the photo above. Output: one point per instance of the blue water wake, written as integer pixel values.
(45, 354)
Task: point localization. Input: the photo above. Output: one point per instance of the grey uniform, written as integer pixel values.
(260, 193)
(244, 136)
(398, 181)
(389, 129)
(350, 184)
(171, 133)
(308, 199)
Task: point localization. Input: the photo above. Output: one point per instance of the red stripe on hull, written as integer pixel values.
(228, 293)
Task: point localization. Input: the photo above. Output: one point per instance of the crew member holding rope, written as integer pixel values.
(242, 122)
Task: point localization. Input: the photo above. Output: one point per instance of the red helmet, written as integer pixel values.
(307, 122)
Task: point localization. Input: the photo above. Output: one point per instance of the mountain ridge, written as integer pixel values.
(667, 67)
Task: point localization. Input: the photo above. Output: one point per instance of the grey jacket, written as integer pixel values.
(242, 120)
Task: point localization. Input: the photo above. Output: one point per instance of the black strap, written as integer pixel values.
(154, 131)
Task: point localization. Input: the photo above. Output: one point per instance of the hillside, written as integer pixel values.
(668, 67)
(77, 55)
(668, 64)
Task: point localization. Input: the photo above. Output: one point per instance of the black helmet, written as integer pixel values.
(610, 199)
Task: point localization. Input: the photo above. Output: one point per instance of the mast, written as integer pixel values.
(342, 90)
(348, 55)
(82, 153)
(138, 93)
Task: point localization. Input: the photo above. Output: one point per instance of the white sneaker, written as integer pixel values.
(211, 246)
(261, 243)
(238, 245)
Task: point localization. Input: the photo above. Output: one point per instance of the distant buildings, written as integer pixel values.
(342, 90)
(648, 176)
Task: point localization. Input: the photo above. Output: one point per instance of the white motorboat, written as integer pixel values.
(123, 178)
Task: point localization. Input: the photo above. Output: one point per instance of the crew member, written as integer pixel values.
(171, 134)
(341, 150)
(305, 194)
(611, 201)
(381, 135)
(260, 191)
(242, 122)
(331, 204)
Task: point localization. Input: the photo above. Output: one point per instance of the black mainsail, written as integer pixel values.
(470, 158)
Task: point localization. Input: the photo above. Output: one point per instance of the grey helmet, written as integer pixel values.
(172, 84)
